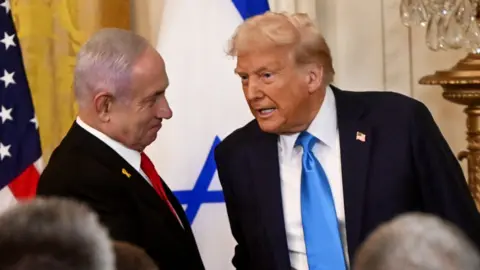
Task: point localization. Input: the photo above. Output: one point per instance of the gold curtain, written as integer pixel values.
(51, 33)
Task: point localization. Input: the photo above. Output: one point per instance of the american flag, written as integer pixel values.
(361, 136)
(20, 150)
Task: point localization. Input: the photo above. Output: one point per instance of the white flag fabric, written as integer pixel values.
(208, 104)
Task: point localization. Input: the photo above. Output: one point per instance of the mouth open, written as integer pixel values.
(266, 112)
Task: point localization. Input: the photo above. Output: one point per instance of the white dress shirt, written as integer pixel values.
(129, 155)
(327, 151)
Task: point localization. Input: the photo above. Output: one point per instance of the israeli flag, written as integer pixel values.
(208, 104)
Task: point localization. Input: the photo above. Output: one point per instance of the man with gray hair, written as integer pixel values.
(53, 234)
(120, 82)
(417, 242)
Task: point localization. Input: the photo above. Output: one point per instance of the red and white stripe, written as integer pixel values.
(23, 187)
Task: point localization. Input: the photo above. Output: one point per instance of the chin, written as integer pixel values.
(269, 126)
(279, 127)
(152, 138)
(148, 139)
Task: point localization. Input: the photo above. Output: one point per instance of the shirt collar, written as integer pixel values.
(323, 126)
(131, 156)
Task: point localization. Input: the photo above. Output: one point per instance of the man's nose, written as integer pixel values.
(252, 91)
(164, 111)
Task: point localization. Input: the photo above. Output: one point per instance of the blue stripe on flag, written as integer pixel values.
(250, 8)
(200, 193)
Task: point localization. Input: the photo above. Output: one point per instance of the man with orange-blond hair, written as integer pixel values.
(320, 168)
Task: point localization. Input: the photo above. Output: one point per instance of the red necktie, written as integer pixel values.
(149, 169)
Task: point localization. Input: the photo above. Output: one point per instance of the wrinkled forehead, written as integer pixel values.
(269, 58)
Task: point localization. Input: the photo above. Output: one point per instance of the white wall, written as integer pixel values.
(372, 50)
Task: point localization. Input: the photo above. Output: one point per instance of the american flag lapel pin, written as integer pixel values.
(126, 173)
(361, 136)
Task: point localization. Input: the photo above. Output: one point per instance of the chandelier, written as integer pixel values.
(450, 24)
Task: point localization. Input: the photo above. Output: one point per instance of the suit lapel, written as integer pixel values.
(265, 170)
(355, 143)
(146, 192)
(131, 178)
(355, 154)
(178, 207)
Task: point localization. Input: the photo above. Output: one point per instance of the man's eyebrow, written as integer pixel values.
(259, 70)
(154, 94)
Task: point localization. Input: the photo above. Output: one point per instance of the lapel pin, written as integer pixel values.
(126, 173)
(361, 136)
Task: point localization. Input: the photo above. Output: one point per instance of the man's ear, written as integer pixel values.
(103, 105)
(314, 77)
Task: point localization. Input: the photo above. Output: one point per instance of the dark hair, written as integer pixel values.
(131, 257)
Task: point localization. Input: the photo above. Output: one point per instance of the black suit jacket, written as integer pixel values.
(86, 169)
(404, 165)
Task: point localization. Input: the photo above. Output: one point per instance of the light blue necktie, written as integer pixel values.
(320, 225)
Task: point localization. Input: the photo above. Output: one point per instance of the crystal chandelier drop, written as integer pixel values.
(450, 24)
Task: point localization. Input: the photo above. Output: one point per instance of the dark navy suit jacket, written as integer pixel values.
(404, 165)
(86, 169)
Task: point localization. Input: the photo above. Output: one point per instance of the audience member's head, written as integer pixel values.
(417, 242)
(53, 234)
(131, 257)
